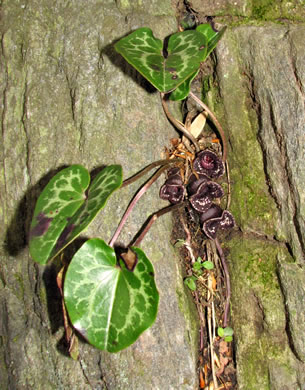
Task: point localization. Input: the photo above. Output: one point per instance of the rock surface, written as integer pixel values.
(68, 98)
(251, 9)
(261, 84)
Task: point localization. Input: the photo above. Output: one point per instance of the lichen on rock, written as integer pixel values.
(262, 106)
(69, 98)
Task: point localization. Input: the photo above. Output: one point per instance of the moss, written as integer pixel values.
(252, 364)
(257, 12)
(263, 358)
(251, 204)
(187, 308)
(43, 296)
(20, 290)
(277, 10)
(256, 261)
(264, 9)
(258, 311)
(206, 87)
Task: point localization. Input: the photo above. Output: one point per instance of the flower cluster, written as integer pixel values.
(201, 191)
(173, 189)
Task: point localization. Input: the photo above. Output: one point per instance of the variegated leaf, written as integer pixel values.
(144, 52)
(63, 209)
(107, 303)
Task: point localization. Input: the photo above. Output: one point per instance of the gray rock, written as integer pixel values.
(261, 85)
(68, 98)
(292, 278)
(278, 86)
(222, 7)
(267, 104)
(250, 9)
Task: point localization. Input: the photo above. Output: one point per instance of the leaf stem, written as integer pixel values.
(153, 218)
(138, 175)
(217, 124)
(179, 125)
(134, 201)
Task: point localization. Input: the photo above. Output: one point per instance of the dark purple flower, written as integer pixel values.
(173, 188)
(211, 226)
(208, 163)
(206, 192)
(173, 177)
(214, 211)
(195, 182)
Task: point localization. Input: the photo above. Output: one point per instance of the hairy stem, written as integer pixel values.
(179, 125)
(217, 124)
(227, 280)
(134, 201)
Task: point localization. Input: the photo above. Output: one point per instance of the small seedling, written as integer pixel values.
(208, 265)
(199, 265)
(190, 282)
(197, 270)
(226, 333)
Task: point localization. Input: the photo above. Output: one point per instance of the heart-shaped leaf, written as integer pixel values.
(63, 209)
(182, 91)
(108, 304)
(144, 52)
(212, 36)
(104, 184)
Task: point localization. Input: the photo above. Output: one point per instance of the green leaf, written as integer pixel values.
(212, 36)
(228, 339)
(59, 200)
(104, 184)
(63, 209)
(108, 304)
(179, 243)
(208, 265)
(197, 265)
(227, 333)
(144, 52)
(182, 91)
(190, 282)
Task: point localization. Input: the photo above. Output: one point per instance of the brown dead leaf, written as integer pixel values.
(130, 259)
(214, 282)
(198, 124)
(59, 280)
(223, 362)
(223, 347)
(73, 349)
(201, 380)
